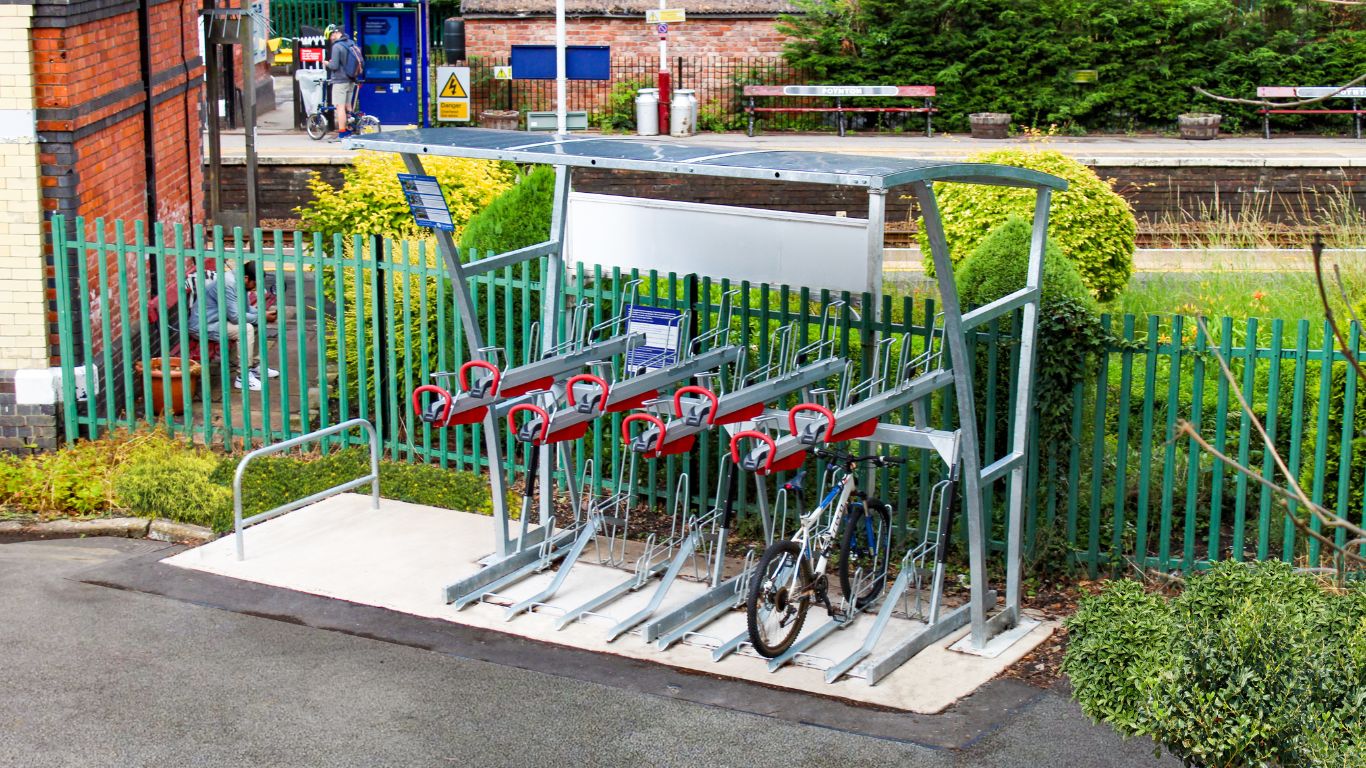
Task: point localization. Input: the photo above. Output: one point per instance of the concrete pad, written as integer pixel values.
(402, 556)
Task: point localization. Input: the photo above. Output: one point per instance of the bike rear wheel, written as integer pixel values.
(316, 125)
(863, 554)
(367, 124)
(779, 597)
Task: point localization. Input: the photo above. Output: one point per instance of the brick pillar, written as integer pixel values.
(27, 415)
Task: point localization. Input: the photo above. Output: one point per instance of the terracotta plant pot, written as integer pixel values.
(1201, 126)
(990, 125)
(171, 378)
(501, 119)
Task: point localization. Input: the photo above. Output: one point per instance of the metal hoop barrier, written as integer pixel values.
(373, 478)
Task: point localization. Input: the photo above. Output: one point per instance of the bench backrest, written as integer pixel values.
(1309, 92)
(916, 91)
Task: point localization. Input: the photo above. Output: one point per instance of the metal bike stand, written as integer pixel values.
(878, 175)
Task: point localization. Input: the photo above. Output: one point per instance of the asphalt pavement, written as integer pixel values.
(93, 675)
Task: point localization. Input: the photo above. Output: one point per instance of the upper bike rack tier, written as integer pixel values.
(958, 444)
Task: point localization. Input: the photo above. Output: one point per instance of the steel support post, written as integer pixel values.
(1024, 394)
(957, 341)
(552, 307)
(475, 338)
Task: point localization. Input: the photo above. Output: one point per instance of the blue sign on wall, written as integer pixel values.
(581, 62)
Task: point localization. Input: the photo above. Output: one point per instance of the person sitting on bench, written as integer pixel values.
(237, 330)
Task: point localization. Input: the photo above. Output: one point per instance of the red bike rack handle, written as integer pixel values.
(536, 409)
(649, 419)
(439, 392)
(486, 365)
(760, 436)
(822, 410)
(591, 379)
(703, 391)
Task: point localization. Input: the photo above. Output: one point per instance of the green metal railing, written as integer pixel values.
(287, 17)
(362, 322)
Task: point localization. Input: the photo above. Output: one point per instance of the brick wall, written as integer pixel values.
(699, 36)
(23, 331)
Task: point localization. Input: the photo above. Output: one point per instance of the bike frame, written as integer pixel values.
(839, 495)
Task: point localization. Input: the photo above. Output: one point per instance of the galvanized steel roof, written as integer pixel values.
(673, 158)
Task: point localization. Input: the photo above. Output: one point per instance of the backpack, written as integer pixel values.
(357, 60)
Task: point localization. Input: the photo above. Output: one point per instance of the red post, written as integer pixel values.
(665, 96)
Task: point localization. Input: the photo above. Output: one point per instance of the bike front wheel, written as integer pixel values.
(779, 596)
(316, 125)
(367, 124)
(863, 556)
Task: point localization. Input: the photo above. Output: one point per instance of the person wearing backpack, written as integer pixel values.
(345, 65)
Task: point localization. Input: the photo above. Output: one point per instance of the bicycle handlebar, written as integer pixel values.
(849, 458)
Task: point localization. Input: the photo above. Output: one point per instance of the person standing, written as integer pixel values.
(344, 65)
(239, 330)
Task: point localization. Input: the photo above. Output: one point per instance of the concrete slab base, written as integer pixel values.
(402, 556)
(999, 644)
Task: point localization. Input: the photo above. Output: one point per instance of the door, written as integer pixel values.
(388, 40)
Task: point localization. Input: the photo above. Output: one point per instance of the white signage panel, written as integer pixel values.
(771, 247)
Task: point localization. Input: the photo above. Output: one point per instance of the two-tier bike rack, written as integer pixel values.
(864, 416)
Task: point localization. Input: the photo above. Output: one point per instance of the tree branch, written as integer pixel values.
(1265, 103)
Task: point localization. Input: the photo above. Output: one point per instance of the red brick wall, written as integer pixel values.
(490, 37)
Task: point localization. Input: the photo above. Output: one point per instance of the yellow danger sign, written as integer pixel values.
(453, 110)
(453, 97)
(453, 88)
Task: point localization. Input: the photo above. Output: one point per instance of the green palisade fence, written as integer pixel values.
(362, 322)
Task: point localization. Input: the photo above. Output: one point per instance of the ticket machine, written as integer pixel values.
(393, 37)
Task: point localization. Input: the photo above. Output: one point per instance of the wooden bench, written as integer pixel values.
(1311, 92)
(839, 93)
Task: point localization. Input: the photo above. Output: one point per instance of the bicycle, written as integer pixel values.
(361, 123)
(792, 572)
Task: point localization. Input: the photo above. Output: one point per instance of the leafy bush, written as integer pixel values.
(76, 480)
(1116, 641)
(1019, 56)
(1251, 665)
(519, 217)
(370, 200)
(1091, 223)
(172, 481)
(620, 112)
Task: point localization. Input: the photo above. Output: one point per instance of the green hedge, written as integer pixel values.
(1019, 56)
(1252, 665)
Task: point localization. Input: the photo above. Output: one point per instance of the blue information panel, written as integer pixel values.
(426, 201)
(581, 62)
(660, 327)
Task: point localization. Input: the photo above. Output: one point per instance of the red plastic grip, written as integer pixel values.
(591, 379)
(545, 420)
(703, 391)
(486, 365)
(649, 418)
(439, 392)
(760, 436)
(822, 410)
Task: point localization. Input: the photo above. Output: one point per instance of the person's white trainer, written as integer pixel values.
(253, 382)
(271, 373)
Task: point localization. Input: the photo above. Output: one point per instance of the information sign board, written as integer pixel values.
(426, 201)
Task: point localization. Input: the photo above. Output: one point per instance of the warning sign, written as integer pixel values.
(453, 94)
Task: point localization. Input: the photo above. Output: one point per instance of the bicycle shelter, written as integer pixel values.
(554, 399)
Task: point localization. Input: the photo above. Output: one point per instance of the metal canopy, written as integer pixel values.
(668, 157)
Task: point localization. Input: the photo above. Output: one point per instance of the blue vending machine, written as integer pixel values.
(393, 38)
